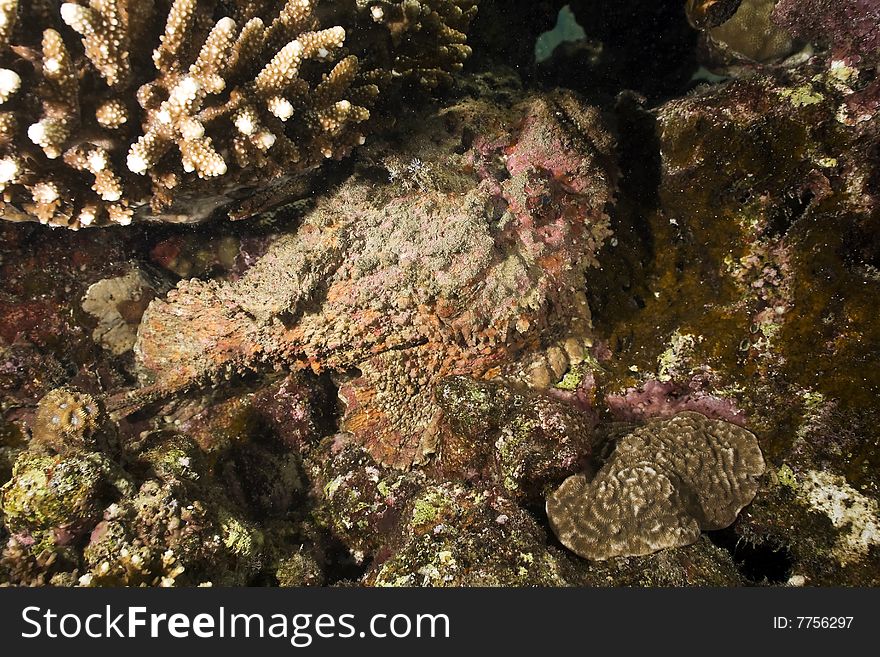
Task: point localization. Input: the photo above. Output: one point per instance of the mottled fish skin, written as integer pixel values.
(482, 266)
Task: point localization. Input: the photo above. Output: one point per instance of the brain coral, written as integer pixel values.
(662, 485)
(112, 110)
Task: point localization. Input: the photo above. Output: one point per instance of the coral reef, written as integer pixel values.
(745, 262)
(663, 484)
(115, 110)
(171, 530)
(499, 316)
(483, 264)
(153, 516)
(62, 496)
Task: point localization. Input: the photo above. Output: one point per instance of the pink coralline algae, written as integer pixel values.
(850, 27)
(664, 399)
(470, 260)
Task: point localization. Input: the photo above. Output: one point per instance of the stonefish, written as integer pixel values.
(460, 248)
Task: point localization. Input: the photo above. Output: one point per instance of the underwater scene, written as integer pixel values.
(439, 293)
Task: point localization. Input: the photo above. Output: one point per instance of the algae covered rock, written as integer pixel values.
(167, 534)
(359, 501)
(300, 569)
(452, 535)
(65, 494)
(524, 441)
(851, 28)
(177, 528)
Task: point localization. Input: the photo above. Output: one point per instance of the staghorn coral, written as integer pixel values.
(483, 265)
(112, 110)
(662, 485)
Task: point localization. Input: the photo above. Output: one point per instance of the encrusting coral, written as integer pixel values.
(113, 110)
(742, 29)
(662, 485)
(117, 304)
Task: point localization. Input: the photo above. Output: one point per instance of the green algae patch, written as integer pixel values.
(802, 96)
(786, 477)
(427, 509)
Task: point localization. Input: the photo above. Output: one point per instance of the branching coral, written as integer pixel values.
(113, 109)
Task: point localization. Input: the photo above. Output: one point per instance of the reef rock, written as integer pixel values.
(523, 441)
(850, 28)
(452, 535)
